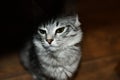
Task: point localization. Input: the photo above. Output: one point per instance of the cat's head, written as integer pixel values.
(59, 33)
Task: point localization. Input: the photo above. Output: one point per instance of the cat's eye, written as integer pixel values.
(68, 25)
(42, 31)
(60, 30)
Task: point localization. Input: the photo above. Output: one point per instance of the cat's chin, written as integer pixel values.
(51, 48)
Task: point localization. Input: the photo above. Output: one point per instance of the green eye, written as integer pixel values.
(60, 30)
(42, 31)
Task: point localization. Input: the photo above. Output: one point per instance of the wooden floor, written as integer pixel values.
(100, 45)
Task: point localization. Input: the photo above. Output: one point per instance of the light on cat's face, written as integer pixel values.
(60, 33)
(50, 36)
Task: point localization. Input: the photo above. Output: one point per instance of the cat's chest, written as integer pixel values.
(60, 63)
(60, 58)
(63, 63)
(57, 72)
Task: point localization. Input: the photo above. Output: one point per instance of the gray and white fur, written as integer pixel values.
(52, 54)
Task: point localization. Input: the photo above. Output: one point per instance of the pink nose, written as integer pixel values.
(49, 41)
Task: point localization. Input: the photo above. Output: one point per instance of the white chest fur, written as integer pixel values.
(63, 65)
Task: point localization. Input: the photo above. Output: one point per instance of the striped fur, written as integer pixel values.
(59, 59)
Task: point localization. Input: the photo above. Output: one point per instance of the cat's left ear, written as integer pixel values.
(75, 20)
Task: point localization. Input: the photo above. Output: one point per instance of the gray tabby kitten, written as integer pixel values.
(52, 54)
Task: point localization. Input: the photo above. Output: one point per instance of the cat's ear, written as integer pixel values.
(75, 20)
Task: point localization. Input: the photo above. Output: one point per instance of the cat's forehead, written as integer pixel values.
(60, 22)
(53, 24)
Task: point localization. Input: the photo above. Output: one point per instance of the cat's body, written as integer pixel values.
(52, 54)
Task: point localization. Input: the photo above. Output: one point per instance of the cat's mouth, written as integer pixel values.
(51, 47)
(48, 45)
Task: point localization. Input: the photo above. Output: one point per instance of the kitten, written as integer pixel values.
(52, 54)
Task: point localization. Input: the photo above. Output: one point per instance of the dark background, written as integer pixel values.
(19, 19)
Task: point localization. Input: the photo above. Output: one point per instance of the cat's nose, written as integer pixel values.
(49, 41)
